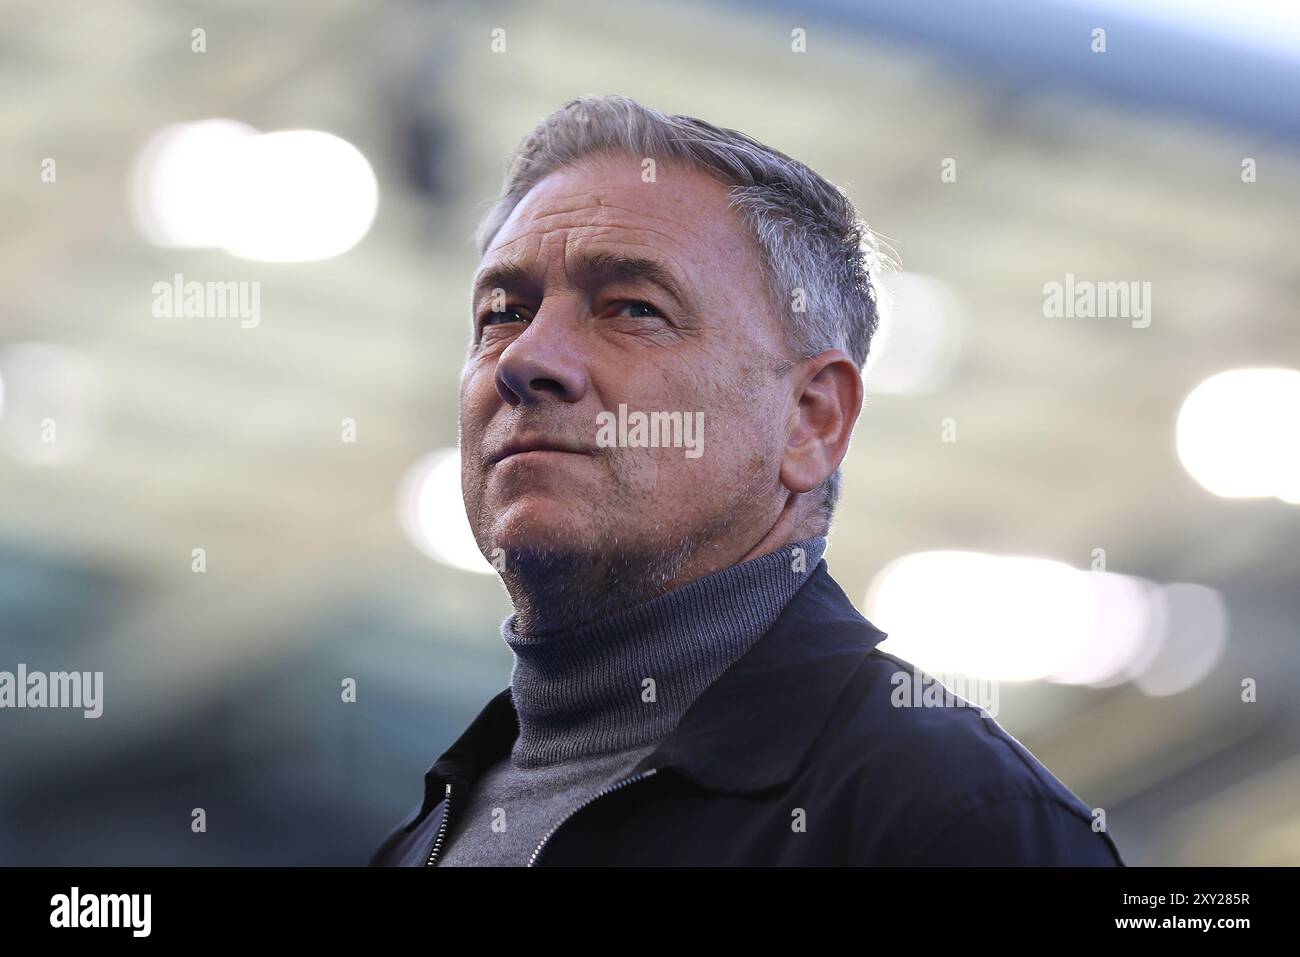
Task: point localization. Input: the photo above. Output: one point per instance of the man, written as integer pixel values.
(669, 325)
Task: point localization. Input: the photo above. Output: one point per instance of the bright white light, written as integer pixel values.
(1272, 25)
(1237, 434)
(290, 196)
(1195, 622)
(1020, 619)
(1006, 618)
(52, 403)
(1124, 625)
(299, 195)
(180, 183)
(918, 338)
(432, 513)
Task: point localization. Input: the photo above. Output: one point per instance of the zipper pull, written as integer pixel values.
(442, 827)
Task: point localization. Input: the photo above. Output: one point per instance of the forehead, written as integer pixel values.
(683, 215)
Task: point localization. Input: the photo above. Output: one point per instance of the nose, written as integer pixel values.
(544, 360)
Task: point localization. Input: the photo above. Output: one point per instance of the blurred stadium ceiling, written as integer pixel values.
(227, 439)
(1236, 63)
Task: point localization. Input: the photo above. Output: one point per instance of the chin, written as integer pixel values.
(542, 523)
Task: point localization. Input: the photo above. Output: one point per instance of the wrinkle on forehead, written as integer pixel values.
(582, 224)
(676, 208)
(570, 243)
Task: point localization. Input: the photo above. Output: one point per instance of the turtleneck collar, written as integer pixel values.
(625, 681)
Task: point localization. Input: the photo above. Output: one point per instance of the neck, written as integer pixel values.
(555, 588)
(624, 679)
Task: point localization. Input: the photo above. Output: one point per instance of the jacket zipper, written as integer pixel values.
(613, 787)
(442, 827)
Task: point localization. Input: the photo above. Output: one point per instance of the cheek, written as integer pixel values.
(748, 444)
(478, 396)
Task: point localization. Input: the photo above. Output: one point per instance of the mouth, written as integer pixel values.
(526, 446)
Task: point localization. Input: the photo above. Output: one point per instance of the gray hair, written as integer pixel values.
(818, 255)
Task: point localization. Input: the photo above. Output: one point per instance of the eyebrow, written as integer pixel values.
(504, 275)
(589, 272)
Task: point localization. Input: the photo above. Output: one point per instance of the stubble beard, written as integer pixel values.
(571, 584)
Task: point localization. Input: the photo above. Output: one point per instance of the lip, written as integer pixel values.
(535, 455)
(525, 445)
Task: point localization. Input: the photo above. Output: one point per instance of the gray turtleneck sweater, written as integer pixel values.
(593, 701)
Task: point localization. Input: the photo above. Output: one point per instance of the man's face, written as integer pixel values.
(612, 291)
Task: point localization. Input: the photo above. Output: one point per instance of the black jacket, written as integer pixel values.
(796, 755)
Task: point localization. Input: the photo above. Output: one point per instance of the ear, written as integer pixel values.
(827, 404)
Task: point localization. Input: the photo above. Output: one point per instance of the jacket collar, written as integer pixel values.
(748, 731)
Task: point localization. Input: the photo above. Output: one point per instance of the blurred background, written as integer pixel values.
(234, 510)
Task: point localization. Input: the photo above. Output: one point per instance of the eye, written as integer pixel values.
(640, 309)
(506, 315)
